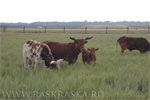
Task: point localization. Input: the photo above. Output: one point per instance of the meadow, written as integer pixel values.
(114, 76)
(82, 30)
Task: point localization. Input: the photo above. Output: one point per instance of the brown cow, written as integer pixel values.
(88, 56)
(67, 51)
(132, 43)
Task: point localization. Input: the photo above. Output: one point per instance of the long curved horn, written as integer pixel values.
(72, 38)
(87, 38)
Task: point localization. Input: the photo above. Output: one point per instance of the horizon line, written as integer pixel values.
(74, 21)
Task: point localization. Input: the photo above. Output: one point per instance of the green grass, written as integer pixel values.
(80, 31)
(115, 76)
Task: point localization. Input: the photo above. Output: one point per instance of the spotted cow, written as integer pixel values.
(39, 54)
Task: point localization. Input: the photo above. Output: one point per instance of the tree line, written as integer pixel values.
(73, 25)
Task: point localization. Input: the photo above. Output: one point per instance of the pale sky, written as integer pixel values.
(74, 10)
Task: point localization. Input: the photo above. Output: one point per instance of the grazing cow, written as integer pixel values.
(132, 43)
(67, 51)
(36, 53)
(88, 56)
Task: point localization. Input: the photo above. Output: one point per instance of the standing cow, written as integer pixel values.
(132, 43)
(36, 53)
(67, 51)
(88, 55)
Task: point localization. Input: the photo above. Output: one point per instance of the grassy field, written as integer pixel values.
(79, 31)
(114, 77)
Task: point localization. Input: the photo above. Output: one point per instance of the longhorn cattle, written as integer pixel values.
(67, 51)
(132, 43)
(88, 55)
(36, 53)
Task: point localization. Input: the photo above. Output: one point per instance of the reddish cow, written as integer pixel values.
(132, 43)
(88, 56)
(67, 51)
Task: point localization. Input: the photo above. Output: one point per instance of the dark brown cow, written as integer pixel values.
(88, 56)
(132, 43)
(67, 51)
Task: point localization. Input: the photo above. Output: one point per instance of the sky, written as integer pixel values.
(74, 10)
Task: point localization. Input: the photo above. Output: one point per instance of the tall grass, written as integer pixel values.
(114, 76)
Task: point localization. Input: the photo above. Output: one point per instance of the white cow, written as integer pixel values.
(37, 53)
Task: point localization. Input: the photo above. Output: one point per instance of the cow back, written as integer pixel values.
(62, 50)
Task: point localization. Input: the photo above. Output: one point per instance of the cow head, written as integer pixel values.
(79, 43)
(55, 64)
(92, 50)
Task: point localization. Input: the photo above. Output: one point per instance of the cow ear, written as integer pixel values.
(59, 60)
(96, 49)
(85, 42)
(52, 62)
(83, 50)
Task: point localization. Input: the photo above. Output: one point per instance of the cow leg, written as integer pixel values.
(94, 63)
(84, 62)
(26, 63)
(70, 62)
(123, 47)
(122, 51)
(25, 58)
(35, 64)
(141, 50)
(58, 63)
(94, 60)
